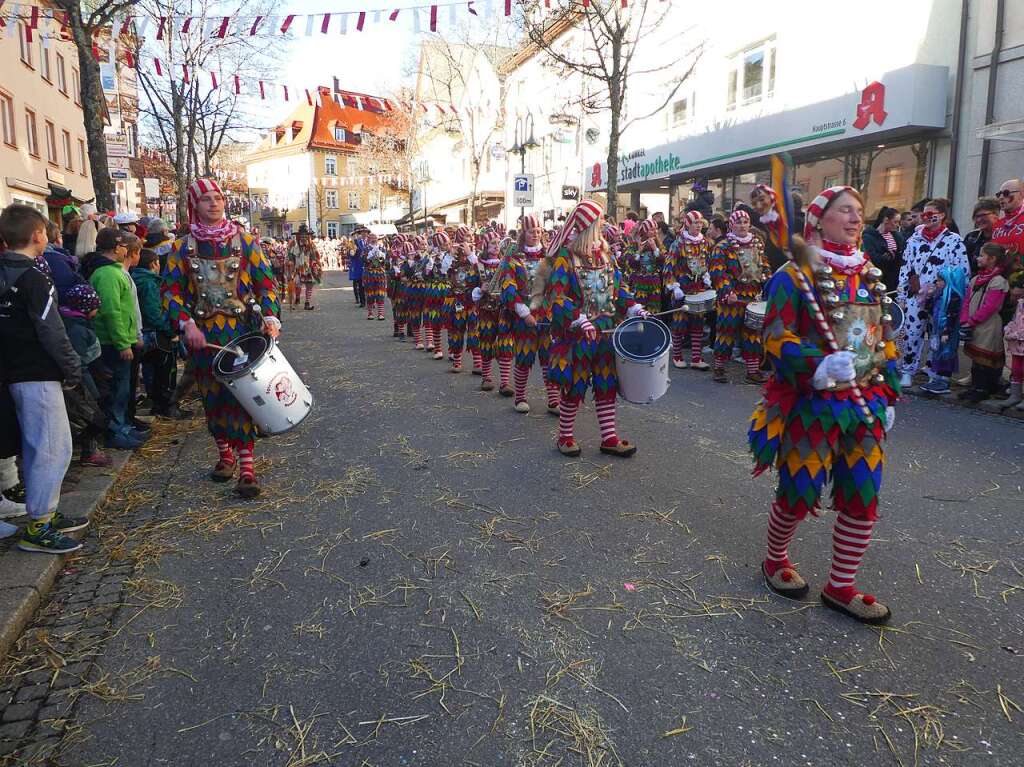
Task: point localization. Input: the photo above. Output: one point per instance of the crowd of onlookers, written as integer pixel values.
(83, 342)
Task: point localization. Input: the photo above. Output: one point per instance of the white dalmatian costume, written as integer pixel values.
(925, 258)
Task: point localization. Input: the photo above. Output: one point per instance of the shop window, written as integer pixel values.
(51, 142)
(24, 46)
(7, 119)
(62, 75)
(330, 166)
(353, 200)
(752, 76)
(66, 147)
(44, 61)
(31, 136)
(331, 198)
(893, 180)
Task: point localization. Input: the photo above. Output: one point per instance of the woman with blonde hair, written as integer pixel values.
(86, 242)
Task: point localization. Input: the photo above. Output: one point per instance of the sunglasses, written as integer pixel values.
(1007, 192)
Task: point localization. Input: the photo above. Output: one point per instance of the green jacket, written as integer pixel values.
(115, 323)
(148, 284)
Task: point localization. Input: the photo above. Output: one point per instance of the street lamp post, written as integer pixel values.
(521, 144)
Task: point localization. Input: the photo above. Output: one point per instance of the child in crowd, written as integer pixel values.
(1013, 334)
(159, 366)
(980, 313)
(944, 305)
(81, 303)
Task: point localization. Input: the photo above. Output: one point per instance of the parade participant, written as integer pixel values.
(375, 277)
(307, 265)
(762, 200)
(824, 412)
(235, 279)
(686, 273)
(586, 295)
(463, 277)
(738, 270)
(645, 266)
(531, 320)
(486, 298)
(395, 292)
(412, 277)
(278, 261)
(435, 270)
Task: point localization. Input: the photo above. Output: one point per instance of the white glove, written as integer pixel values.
(446, 263)
(890, 418)
(707, 279)
(672, 286)
(522, 310)
(473, 259)
(637, 310)
(678, 294)
(835, 368)
(580, 321)
(476, 295)
(428, 267)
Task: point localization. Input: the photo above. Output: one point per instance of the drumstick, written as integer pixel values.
(236, 352)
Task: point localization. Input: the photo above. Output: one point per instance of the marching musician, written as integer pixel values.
(826, 413)
(463, 277)
(435, 277)
(215, 277)
(306, 259)
(375, 276)
(645, 264)
(686, 274)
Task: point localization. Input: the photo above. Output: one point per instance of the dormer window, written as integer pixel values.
(339, 133)
(278, 135)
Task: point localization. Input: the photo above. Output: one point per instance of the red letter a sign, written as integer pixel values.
(871, 106)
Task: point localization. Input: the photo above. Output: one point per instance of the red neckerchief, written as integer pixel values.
(220, 232)
(985, 276)
(838, 248)
(843, 262)
(931, 237)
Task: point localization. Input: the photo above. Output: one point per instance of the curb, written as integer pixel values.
(951, 400)
(27, 578)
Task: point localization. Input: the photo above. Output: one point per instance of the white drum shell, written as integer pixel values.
(271, 392)
(701, 303)
(754, 315)
(642, 381)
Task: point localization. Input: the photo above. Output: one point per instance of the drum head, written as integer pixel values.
(254, 346)
(898, 317)
(641, 339)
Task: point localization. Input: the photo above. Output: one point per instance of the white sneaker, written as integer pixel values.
(906, 381)
(9, 508)
(7, 530)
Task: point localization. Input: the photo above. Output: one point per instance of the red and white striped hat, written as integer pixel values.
(582, 218)
(197, 189)
(738, 217)
(440, 240)
(530, 221)
(645, 229)
(692, 217)
(420, 242)
(463, 233)
(818, 206)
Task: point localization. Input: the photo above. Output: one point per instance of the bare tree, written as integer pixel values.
(386, 154)
(609, 36)
(85, 21)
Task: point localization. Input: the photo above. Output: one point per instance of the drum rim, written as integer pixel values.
(271, 344)
(619, 351)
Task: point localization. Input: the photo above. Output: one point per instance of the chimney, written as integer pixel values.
(336, 88)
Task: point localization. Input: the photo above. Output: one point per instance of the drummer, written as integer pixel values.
(686, 274)
(738, 270)
(237, 279)
(586, 294)
(463, 276)
(645, 263)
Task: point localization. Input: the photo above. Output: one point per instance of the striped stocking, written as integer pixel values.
(224, 454)
(552, 392)
(781, 529)
(567, 410)
(696, 343)
(752, 364)
(457, 360)
(850, 539)
(380, 309)
(677, 345)
(245, 462)
(522, 375)
(505, 367)
(485, 368)
(606, 421)
(720, 360)
(477, 359)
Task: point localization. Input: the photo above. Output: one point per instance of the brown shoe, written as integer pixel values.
(863, 607)
(248, 487)
(570, 449)
(622, 449)
(756, 378)
(786, 582)
(506, 391)
(718, 375)
(487, 385)
(223, 472)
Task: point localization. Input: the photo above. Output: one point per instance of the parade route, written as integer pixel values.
(426, 581)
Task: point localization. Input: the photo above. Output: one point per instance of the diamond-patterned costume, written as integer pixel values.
(741, 269)
(644, 277)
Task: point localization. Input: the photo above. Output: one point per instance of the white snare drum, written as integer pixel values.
(642, 347)
(701, 303)
(754, 317)
(264, 383)
(898, 317)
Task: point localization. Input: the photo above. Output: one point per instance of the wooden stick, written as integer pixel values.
(236, 352)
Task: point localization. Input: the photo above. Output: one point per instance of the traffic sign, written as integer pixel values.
(522, 191)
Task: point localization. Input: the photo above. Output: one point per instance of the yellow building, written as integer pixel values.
(310, 169)
(43, 156)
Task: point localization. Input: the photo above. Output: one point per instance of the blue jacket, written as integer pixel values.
(62, 265)
(355, 264)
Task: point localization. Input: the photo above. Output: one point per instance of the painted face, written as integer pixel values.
(1009, 195)
(932, 217)
(843, 221)
(210, 208)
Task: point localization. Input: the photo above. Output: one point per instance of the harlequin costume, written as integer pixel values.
(213, 277)
(438, 292)
(492, 326)
(396, 254)
(463, 277)
(812, 428)
(686, 274)
(645, 266)
(521, 281)
(414, 286)
(375, 278)
(586, 295)
(738, 271)
(308, 268)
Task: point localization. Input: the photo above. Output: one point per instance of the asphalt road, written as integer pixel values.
(427, 582)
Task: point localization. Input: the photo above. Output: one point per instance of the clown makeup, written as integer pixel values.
(932, 218)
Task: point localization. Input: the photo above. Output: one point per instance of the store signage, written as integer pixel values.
(522, 191)
(910, 100)
(118, 175)
(151, 187)
(121, 163)
(570, 192)
(117, 145)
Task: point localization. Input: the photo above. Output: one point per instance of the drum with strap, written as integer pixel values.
(753, 318)
(264, 383)
(642, 346)
(700, 303)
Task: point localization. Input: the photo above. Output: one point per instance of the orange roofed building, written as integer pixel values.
(312, 169)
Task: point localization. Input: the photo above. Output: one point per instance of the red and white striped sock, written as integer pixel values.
(245, 463)
(457, 359)
(552, 391)
(485, 368)
(437, 338)
(477, 359)
(781, 528)
(696, 343)
(567, 410)
(606, 421)
(522, 375)
(224, 454)
(850, 540)
(505, 368)
(369, 310)
(309, 292)
(419, 335)
(380, 309)
(677, 345)
(752, 364)
(720, 360)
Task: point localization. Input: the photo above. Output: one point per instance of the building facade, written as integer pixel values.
(43, 157)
